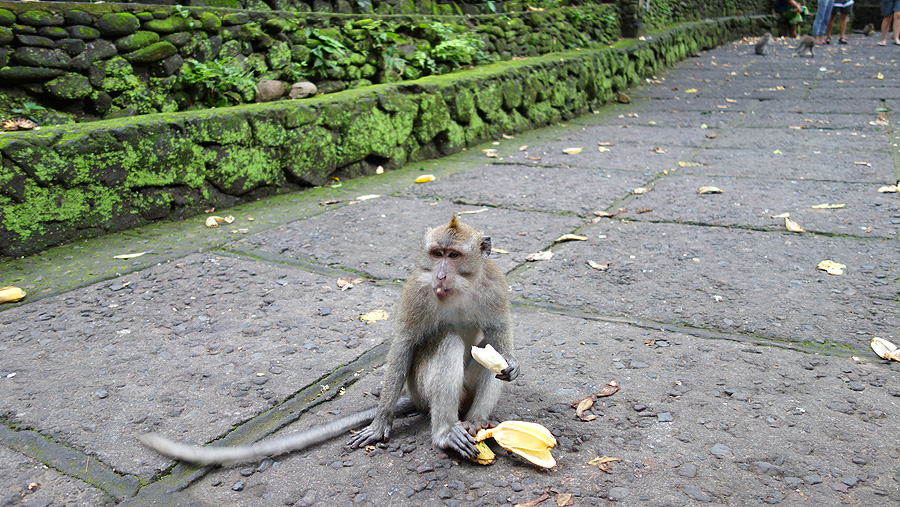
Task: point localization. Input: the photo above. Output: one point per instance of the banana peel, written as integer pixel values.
(485, 455)
(11, 294)
(529, 440)
(885, 349)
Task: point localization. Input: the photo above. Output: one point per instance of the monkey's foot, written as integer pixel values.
(460, 441)
(369, 435)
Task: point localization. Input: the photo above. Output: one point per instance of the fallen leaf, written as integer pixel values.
(689, 164)
(130, 256)
(828, 206)
(777, 152)
(545, 255)
(603, 148)
(215, 221)
(329, 202)
(831, 267)
(564, 500)
(583, 406)
(863, 163)
(709, 190)
(545, 496)
(570, 237)
(882, 347)
(529, 157)
(691, 90)
(472, 212)
(598, 266)
(729, 100)
(11, 294)
(641, 190)
(604, 463)
(240, 231)
(712, 136)
(425, 178)
(657, 149)
(644, 210)
(793, 226)
(490, 153)
(783, 215)
(889, 189)
(347, 282)
(606, 214)
(373, 316)
(367, 197)
(606, 144)
(499, 251)
(523, 147)
(572, 151)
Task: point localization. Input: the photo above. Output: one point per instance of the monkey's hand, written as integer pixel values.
(375, 432)
(472, 427)
(459, 440)
(510, 372)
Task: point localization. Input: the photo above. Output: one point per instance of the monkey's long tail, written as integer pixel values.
(294, 442)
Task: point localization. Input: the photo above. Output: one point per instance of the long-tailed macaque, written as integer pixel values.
(762, 45)
(456, 298)
(806, 46)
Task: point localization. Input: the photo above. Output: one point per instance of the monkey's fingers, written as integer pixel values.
(511, 372)
(461, 442)
(472, 427)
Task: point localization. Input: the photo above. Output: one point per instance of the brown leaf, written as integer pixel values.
(645, 210)
(598, 266)
(570, 237)
(793, 226)
(329, 202)
(564, 500)
(641, 190)
(532, 503)
(657, 149)
(529, 157)
(604, 463)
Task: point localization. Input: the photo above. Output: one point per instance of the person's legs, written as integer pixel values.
(885, 24)
(830, 27)
(843, 26)
(897, 27)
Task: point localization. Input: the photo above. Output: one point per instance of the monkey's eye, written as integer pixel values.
(437, 253)
(453, 255)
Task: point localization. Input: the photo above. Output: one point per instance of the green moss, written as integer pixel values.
(433, 117)
(136, 41)
(311, 155)
(238, 169)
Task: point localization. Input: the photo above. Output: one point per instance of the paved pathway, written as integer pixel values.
(746, 374)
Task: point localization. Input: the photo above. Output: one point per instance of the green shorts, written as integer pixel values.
(792, 17)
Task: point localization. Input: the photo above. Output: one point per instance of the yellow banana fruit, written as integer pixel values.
(489, 358)
(11, 294)
(529, 440)
(485, 454)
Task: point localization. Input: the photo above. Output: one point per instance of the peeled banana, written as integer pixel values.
(489, 358)
(529, 440)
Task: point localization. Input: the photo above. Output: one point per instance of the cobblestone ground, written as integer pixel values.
(746, 374)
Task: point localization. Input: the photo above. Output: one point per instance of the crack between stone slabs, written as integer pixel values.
(182, 475)
(752, 228)
(68, 461)
(305, 265)
(708, 334)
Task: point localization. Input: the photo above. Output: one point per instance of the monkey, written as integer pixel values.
(806, 46)
(454, 299)
(762, 46)
(868, 29)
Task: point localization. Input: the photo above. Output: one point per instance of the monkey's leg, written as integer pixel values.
(485, 389)
(437, 380)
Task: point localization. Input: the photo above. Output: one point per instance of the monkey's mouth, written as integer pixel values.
(441, 292)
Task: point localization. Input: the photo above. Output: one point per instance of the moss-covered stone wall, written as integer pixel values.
(93, 61)
(73, 181)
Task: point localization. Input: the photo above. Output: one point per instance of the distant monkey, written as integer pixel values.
(806, 45)
(454, 299)
(868, 29)
(762, 46)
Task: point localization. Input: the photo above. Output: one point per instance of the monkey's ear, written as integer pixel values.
(486, 246)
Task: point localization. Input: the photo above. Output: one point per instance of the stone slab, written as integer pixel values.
(751, 203)
(875, 168)
(750, 282)
(799, 140)
(578, 190)
(189, 349)
(737, 434)
(391, 231)
(24, 480)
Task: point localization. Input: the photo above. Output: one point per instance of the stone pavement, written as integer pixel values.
(745, 372)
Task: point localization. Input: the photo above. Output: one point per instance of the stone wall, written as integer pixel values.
(66, 182)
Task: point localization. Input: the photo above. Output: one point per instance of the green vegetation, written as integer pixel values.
(218, 84)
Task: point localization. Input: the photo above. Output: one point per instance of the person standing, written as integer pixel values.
(890, 9)
(791, 12)
(845, 9)
(823, 14)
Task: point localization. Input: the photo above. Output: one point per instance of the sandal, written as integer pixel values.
(842, 41)
(827, 40)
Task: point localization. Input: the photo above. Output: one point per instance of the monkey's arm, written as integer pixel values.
(500, 337)
(398, 366)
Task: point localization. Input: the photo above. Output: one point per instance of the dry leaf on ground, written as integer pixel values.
(603, 148)
(545, 496)
(129, 256)
(599, 267)
(572, 151)
(885, 349)
(604, 463)
(831, 267)
(490, 153)
(888, 189)
(570, 237)
(215, 221)
(641, 190)
(709, 190)
(793, 226)
(689, 164)
(373, 316)
(539, 256)
(367, 197)
(828, 206)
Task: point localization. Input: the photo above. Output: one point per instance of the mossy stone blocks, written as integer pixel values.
(135, 41)
(152, 53)
(7, 18)
(69, 86)
(41, 18)
(118, 24)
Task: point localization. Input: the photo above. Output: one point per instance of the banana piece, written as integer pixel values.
(529, 440)
(489, 358)
(11, 294)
